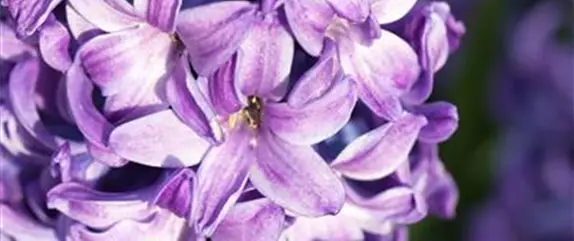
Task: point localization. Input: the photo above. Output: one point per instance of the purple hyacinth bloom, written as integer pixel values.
(29, 15)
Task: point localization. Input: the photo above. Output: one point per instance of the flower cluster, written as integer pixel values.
(533, 195)
(225, 120)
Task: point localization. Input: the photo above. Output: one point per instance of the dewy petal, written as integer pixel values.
(11, 47)
(183, 101)
(113, 63)
(23, 80)
(54, 44)
(264, 58)
(29, 15)
(97, 209)
(442, 121)
(388, 11)
(159, 13)
(295, 177)
(230, 161)
(257, 220)
(117, 15)
(381, 151)
(21, 227)
(159, 140)
(317, 120)
(308, 20)
(222, 91)
(324, 228)
(213, 32)
(384, 71)
(177, 193)
(353, 10)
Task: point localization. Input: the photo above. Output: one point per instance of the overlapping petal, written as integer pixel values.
(11, 47)
(388, 11)
(353, 10)
(308, 20)
(160, 140)
(159, 13)
(324, 228)
(177, 193)
(82, 30)
(29, 15)
(118, 14)
(21, 227)
(222, 91)
(381, 151)
(442, 121)
(295, 177)
(54, 45)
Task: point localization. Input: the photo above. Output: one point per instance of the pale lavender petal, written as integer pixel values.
(81, 29)
(177, 193)
(381, 151)
(441, 191)
(391, 204)
(105, 155)
(315, 121)
(308, 20)
(97, 209)
(388, 11)
(80, 167)
(295, 177)
(257, 220)
(159, 13)
(384, 71)
(118, 16)
(213, 32)
(324, 228)
(19, 226)
(222, 91)
(264, 58)
(159, 140)
(353, 10)
(442, 121)
(11, 47)
(54, 44)
(29, 15)
(183, 101)
(230, 161)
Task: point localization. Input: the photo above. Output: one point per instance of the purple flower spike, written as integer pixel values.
(29, 14)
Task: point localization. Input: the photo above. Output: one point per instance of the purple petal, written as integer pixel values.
(11, 47)
(97, 209)
(80, 168)
(159, 13)
(54, 45)
(384, 71)
(258, 220)
(295, 177)
(317, 120)
(177, 193)
(308, 20)
(222, 90)
(105, 155)
(388, 11)
(264, 58)
(19, 226)
(324, 228)
(159, 140)
(118, 14)
(381, 151)
(81, 29)
(353, 10)
(216, 196)
(390, 204)
(29, 15)
(442, 121)
(183, 99)
(213, 32)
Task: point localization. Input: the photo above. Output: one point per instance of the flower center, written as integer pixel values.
(252, 113)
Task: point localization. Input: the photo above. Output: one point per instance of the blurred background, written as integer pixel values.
(513, 154)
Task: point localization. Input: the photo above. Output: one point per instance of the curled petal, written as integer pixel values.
(257, 220)
(118, 14)
(81, 29)
(315, 121)
(177, 193)
(97, 209)
(30, 15)
(54, 45)
(442, 121)
(353, 10)
(80, 168)
(393, 203)
(264, 58)
(216, 196)
(222, 90)
(11, 47)
(213, 32)
(381, 151)
(295, 177)
(308, 20)
(159, 140)
(159, 13)
(388, 11)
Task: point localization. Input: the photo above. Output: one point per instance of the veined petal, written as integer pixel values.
(118, 14)
(81, 29)
(264, 58)
(21, 227)
(324, 228)
(55, 44)
(222, 91)
(308, 20)
(177, 193)
(384, 71)
(388, 204)
(113, 63)
(230, 161)
(388, 11)
(97, 209)
(381, 151)
(295, 177)
(11, 47)
(257, 220)
(159, 13)
(29, 15)
(353, 10)
(213, 32)
(159, 140)
(315, 121)
(442, 121)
